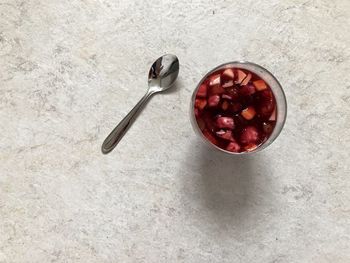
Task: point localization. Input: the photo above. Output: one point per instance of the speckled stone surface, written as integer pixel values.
(70, 70)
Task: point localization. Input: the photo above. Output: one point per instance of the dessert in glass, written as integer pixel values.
(238, 108)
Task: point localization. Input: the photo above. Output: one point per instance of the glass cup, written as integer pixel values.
(281, 103)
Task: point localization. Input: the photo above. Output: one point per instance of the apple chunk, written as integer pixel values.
(260, 84)
(248, 113)
(240, 76)
(227, 77)
(246, 79)
(216, 90)
(214, 80)
(250, 147)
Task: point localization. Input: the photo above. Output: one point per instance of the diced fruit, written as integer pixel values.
(225, 123)
(226, 135)
(227, 78)
(240, 76)
(260, 84)
(249, 135)
(248, 113)
(273, 115)
(228, 84)
(202, 91)
(225, 105)
(233, 147)
(267, 127)
(246, 80)
(235, 110)
(210, 137)
(236, 107)
(214, 80)
(216, 90)
(200, 103)
(250, 147)
(247, 90)
(228, 74)
(225, 96)
(201, 124)
(213, 100)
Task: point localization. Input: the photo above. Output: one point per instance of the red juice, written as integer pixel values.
(235, 109)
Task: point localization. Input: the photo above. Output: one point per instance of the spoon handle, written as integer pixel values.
(117, 134)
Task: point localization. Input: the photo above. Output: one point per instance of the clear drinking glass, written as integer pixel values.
(281, 103)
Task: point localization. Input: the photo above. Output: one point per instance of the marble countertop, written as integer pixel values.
(71, 70)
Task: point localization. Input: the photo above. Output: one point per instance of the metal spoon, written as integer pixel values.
(161, 76)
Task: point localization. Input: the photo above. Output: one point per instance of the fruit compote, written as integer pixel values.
(235, 109)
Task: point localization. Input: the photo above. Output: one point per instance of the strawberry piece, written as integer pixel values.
(240, 76)
(260, 84)
(225, 105)
(214, 80)
(210, 137)
(246, 80)
(250, 147)
(226, 135)
(227, 77)
(249, 135)
(202, 91)
(247, 90)
(248, 113)
(233, 147)
(225, 122)
(201, 124)
(200, 103)
(213, 100)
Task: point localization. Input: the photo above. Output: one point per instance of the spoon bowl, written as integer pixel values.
(163, 73)
(161, 77)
